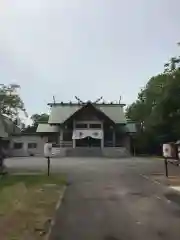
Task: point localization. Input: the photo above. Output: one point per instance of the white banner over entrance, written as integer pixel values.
(83, 133)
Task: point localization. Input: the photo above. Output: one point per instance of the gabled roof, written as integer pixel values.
(61, 112)
(100, 114)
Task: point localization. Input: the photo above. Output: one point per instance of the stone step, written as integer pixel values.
(116, 152)
(84, 152)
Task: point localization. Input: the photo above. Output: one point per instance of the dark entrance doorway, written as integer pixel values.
(88, 142)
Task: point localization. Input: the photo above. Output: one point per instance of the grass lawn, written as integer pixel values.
(27, 205)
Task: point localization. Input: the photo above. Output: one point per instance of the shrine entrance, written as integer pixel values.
(88, 142)
(88, 126)
(88, 137)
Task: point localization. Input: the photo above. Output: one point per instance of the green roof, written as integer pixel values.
(114, 112)
(60, 113)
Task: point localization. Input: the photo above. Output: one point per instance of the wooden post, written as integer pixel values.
(102, 140)
(49, 163)
(166, 166)
(114, 138)
(134, 151)
(74, 140)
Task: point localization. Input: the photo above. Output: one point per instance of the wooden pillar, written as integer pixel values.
(61, 137)
(114, 138)
(74, 140)
(74, 143)
(102, 140)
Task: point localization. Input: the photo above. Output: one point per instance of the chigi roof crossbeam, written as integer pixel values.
(81, 102)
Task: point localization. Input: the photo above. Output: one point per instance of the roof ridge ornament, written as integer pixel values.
(99, 99)
(89, 101)
(79, 100)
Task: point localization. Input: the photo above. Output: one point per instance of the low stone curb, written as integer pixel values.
(56, 208)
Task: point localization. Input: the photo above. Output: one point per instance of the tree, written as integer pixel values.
(172, 65)
(10, 105)
(157, 108)
(168, 108)
(142, 110)
(10, 101)
(36, 118)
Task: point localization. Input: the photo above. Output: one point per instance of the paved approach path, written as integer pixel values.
(111, 199)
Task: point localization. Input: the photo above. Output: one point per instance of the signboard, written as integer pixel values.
(169, 150)
(47, 149)
(83, 133)
(166, 150)
(178, 149)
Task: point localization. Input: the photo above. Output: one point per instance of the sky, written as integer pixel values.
(85, 48)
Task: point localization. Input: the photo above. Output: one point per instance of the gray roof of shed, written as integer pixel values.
(59, 113)
(46, 128)
(7, 127)
(11, 127)
(3, 133)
